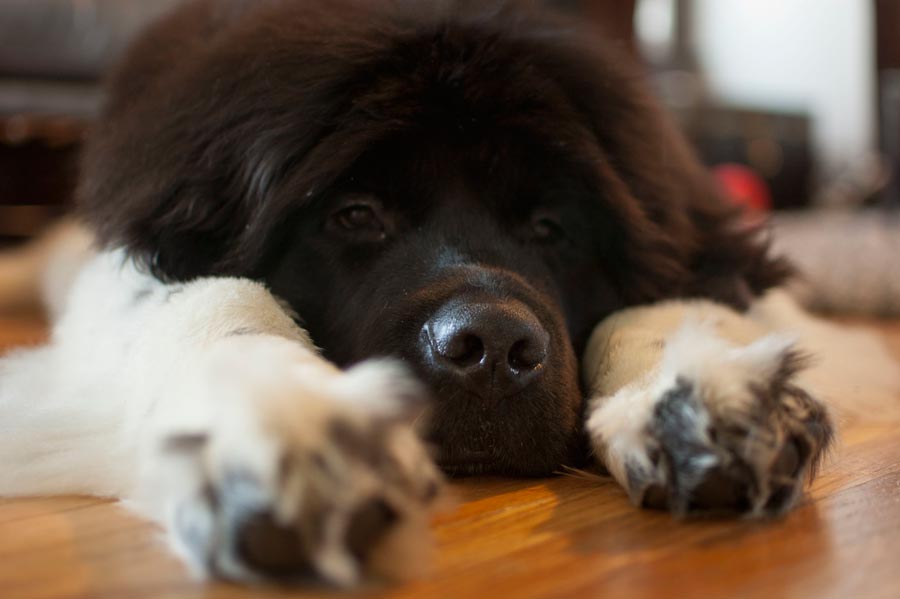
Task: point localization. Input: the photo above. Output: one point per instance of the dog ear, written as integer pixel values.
(199, 152)
(155, 172)
(681, 236)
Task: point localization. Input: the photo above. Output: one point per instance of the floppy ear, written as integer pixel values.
(145, 184)
(682, 237)
(209, 130)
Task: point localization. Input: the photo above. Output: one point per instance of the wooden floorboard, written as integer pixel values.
(560, 537)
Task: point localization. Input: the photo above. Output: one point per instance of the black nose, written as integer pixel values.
(493, 349)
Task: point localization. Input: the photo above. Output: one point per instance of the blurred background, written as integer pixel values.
(794, 104)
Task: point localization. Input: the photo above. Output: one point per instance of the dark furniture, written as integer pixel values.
(51, 59)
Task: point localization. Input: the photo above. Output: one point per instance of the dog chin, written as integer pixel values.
(461, 469)
(458, 461)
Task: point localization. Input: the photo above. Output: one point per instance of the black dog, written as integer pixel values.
(470, 188)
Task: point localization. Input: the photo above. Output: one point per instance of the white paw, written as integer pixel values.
(304, 472)
(717, 428)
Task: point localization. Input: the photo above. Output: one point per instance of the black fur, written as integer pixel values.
(236, 131)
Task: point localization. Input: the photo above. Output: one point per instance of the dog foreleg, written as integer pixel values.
(695, 408)
(209, 410)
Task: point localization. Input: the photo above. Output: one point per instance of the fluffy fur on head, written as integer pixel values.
(235, 129)
(228, 115)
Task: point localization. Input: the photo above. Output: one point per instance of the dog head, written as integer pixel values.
(468, 189)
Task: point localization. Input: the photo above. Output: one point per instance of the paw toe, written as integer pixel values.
(277, 551)
(721, 466)
(368, 525)
(271, 549)
(655, 497)
(789, 460)
(721, 489)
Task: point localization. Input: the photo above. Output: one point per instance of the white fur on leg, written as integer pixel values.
(44, 268)
(851, 369)
(251, 424)
(721, 374)
(202, 404)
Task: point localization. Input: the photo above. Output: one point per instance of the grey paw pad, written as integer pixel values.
(278, 551)
(271, 549)
(714, 466)
(702, 477)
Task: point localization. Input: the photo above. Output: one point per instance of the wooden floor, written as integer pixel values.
(561, 537)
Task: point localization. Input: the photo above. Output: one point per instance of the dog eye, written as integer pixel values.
(546, 227)
(360, 217)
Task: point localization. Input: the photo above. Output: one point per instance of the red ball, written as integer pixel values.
(744, 186)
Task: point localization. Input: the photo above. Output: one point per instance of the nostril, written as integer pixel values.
(525, 354)
(463, 349)
(471, 351)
